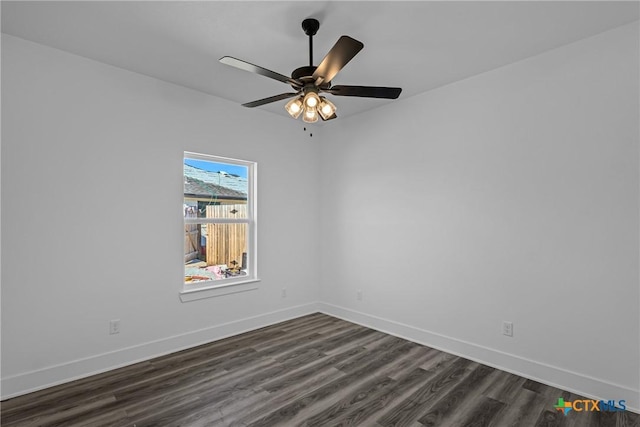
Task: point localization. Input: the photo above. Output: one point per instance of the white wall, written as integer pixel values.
(512, 195)
(92, 222)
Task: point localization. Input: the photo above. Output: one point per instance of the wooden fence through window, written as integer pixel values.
(226, 242)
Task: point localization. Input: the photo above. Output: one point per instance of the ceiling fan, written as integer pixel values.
(310, 81)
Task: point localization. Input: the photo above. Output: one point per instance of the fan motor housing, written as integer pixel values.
(305, 75)
(301, 72)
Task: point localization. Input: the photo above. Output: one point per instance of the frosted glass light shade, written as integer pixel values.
(310, 115)
(294, 107)
(326, 109)
(311, 100)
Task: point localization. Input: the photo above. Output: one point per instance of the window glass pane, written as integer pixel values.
(208, 185)
(215, 251)
(219, 226)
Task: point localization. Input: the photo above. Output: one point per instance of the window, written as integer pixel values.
(219, 222)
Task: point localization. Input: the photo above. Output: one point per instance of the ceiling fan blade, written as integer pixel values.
(366, 91)
(340, 54)
(246, 66)
(333, 116)
(270, 99)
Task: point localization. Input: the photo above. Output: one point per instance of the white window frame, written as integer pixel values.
(231, 285)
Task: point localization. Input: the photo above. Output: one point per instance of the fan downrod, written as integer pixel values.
(310, 27)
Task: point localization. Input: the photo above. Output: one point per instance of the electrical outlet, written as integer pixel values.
(284, 292)
(507, 328)
(359, 295)
(114, 326)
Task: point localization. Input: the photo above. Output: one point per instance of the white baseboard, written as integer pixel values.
(28, 382)
(554, 376)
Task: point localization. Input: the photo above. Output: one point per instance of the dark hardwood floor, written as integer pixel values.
(312, 371)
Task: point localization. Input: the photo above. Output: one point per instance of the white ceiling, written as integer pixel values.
(418, 46)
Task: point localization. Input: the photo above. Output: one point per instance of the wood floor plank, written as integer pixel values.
(315, 370)
(298, 375)
(312, 321)
(345, 337)
(241, 415)
(417, 404)
(524, 409)
(363, 341)
(66, 413)
(425, 366)
(363, 407)
(50, 412)
(75, 393)
(420, 355)
(451, 403)
(381, 380)
(484, 412)
(550, 418)
(321, 397)
(383, 346)
(347, 400)
(504, 387)
(308, 335)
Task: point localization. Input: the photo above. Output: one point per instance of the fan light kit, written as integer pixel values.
(312, 105)
(310, 81)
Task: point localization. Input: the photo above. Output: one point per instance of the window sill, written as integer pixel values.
(219, 290)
